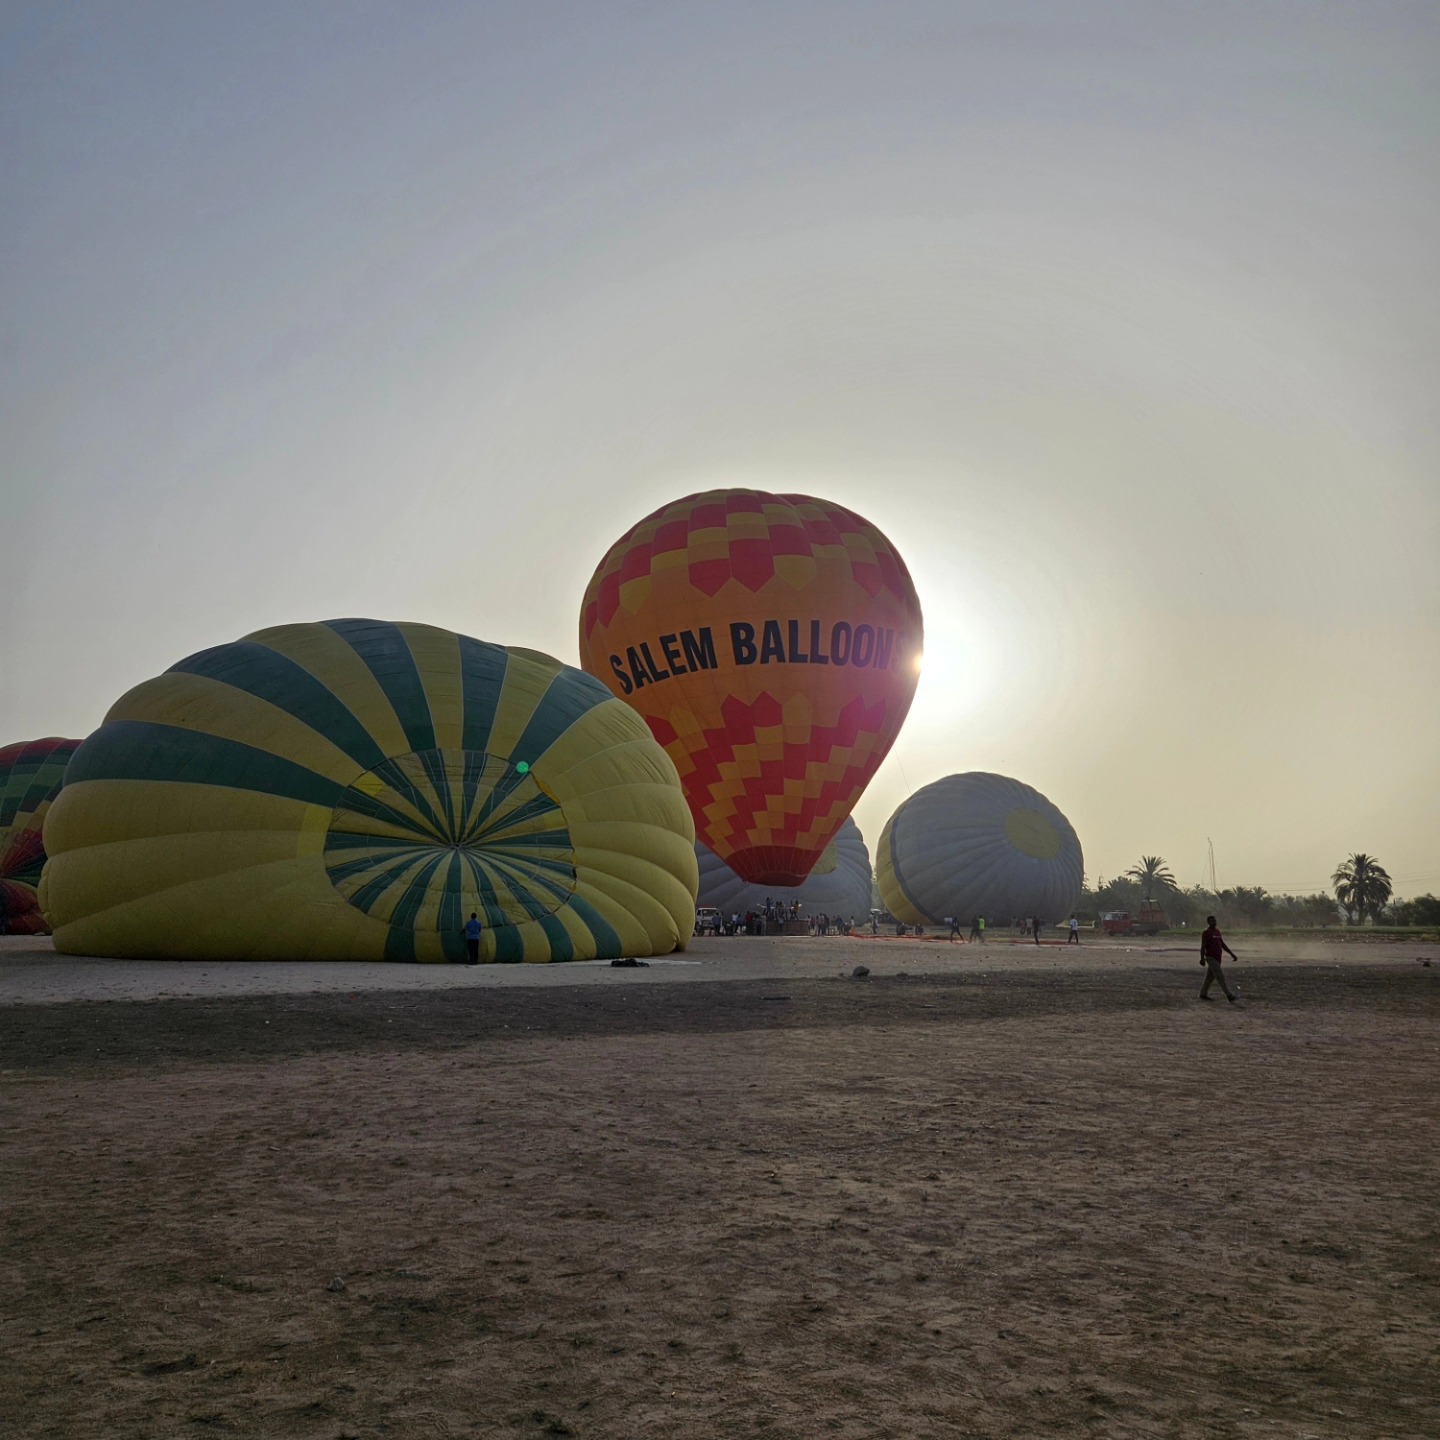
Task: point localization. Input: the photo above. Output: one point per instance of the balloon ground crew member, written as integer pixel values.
(1212, 950)
(472, 938)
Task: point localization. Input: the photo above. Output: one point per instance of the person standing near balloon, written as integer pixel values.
(1035, 928)
(1074, 931)
(472, 938)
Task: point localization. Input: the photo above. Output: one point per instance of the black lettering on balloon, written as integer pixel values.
(742, 642)
(700, 654)
(625, 686)
(638, 672)
(884, 643)
(772, 647)
(864, 646)
(797, 655)
(817, 655)
(655, 674)
(840, 642)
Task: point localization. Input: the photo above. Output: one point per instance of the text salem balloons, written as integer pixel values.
(978, 844)
(30, 776)
(772, 643)
(353, 790)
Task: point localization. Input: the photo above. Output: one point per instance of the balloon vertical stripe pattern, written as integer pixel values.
(355, 789)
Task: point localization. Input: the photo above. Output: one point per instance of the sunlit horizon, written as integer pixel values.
(1121, 326)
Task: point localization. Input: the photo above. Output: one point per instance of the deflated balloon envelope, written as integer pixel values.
(31, 773)
(840, 889)
(353, 790)
(978, 844)
(772, 643)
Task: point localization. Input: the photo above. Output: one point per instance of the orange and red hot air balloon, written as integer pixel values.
(772, 644)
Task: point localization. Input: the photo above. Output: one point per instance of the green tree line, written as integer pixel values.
(1361, 891)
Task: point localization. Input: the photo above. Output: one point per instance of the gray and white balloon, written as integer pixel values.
(841, 889)
(978, 844)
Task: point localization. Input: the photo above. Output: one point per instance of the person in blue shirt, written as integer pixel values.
(472, 938)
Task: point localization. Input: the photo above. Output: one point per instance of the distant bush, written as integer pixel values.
(1423, 910)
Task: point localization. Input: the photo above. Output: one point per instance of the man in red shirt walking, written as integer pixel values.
(1212, 949)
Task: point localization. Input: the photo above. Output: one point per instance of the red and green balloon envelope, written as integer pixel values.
(31, 774)
(772, 643)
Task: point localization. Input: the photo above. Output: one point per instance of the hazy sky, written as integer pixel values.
(1122, 321)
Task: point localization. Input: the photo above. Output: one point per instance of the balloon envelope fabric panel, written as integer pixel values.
(840, 889)
(355, 789)
(31, 774)
(772, 644)
(978, 844)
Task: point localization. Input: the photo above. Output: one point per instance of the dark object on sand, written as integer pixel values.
(630, 964)
(860, 972)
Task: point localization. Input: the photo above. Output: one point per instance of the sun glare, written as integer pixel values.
(960, 668)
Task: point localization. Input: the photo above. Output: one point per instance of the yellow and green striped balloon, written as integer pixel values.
(353, 790)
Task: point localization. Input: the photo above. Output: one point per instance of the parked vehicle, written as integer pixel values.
(708, 921)
(1150, 921)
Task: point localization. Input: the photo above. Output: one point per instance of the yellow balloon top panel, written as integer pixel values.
(1032, 834)
(357, 789)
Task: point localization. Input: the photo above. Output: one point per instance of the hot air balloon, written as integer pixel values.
(354, 790)
(978, 844)
(30, 777)
(839, 884)
(772, 643)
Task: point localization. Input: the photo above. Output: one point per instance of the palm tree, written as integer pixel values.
(1362, 887)
(1151, 873)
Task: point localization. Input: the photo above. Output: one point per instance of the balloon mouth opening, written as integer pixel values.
(20, 912)
(422, 839)
(780, 865)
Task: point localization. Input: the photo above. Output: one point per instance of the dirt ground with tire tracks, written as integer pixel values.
(1010, 1200)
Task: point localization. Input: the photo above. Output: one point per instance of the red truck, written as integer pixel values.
(1151, 921)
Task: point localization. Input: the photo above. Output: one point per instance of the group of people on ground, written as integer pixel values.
(773, 914)
(1031, 925)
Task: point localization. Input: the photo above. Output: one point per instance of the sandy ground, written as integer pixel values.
(1007, 1193)
(32, 973)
